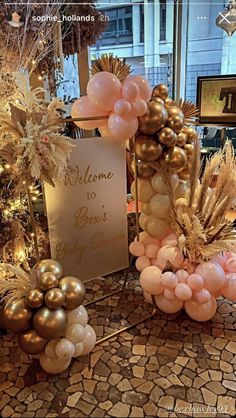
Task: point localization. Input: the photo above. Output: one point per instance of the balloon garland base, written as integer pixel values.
(174, 283)
(45, 310)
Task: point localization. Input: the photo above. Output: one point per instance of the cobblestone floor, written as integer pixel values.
(167, 366)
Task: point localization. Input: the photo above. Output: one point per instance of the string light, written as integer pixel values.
(7, 166)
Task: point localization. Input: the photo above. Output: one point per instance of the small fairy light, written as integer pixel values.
(34, 198)
(40, 77)
(7, 166)
(32, 234)
(33, 62)
(23, 182)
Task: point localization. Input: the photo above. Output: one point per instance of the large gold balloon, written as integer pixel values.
(34, 298)
(157, 100)
(16, 316)
(48, 281)
(147, 149)
(51, 266)
(161, 90)
(175, 111)
(154, 119)
(176, 159)
(54, 298)
(49, 323)
(167, 137)
(74, 291)
(182, 139)
(191, 134)
(31, 343)
(175, 122)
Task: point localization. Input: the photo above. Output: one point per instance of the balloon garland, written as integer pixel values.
(186, 252)
(112, 92)
(48, 316)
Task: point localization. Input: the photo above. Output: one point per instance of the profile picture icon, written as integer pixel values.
(15, 19)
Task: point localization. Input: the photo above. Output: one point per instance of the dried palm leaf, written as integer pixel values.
(114, 65)
(189, 110)
(14, 283)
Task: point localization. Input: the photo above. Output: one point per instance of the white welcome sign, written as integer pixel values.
(87, 211)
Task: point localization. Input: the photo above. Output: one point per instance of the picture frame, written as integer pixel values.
(216, 100)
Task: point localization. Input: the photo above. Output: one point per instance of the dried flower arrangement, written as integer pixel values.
(114, 65)
(31, 136)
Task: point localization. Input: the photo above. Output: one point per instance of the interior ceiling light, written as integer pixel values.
(226, 20)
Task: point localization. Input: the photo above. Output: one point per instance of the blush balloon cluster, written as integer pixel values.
(163, 136)
(50, 320)
(194, 288)
(123, 103)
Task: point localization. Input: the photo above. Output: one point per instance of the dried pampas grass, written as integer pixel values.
(14, 283)
(199, 219)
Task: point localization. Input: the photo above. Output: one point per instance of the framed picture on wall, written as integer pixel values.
(216, 100)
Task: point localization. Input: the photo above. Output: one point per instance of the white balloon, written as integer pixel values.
(50, 348)
(89, 341)
(78, 316)
(181, 190)
(78, 349)
(53, 365)
(75, 333)
(145, 208)
(142, 220)
(145, 190)
(65, 349)
(160, 205)
(158, 183)
(174, 181)
(157, 228)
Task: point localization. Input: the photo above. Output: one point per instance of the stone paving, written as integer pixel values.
(167, 366)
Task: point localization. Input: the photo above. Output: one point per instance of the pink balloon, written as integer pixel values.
(148, 297)
(182, 276)
(142, 263)
(154, 262)
(168, 306)
(230, 265)
(130, 90)
(120, 128)
(219, 259)
(183, 291)
(137, 248)
(195, 281)
(202, 296)
(228, 254)
(169, 240)
(122, 107)
(139, 107)
(213, 275)
(82, 107)
(171, 254)
(104, 89)
(151, 250)
(145, 90)
(201, 311)
(169, 294)
(169, 280)
(229, 288)
(150, 280)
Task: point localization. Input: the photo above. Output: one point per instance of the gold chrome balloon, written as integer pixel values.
(49, 323)
(184, 174)
(167, 137)
(31, 343)
(145, 171)
(176, 159)
(16, 316)
(157, 100)
(175, 122)
(161, 90)
(74, 291)
(189, 149)
(54, 298)
(169, 102)
(34, 298)
(182, 139)
(48, 281)
(175, 111)
(191, 134)
(154, 119)
(51, 266)
(147, 149)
